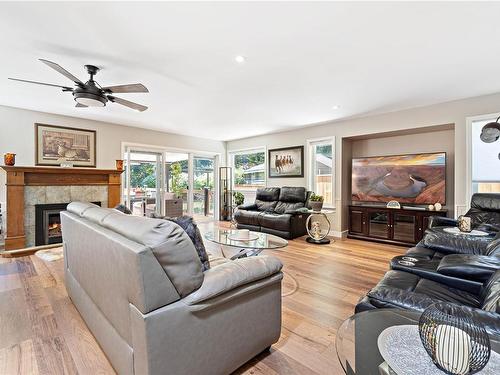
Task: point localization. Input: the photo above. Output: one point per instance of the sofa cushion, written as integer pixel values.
(275, 221)
(187, 223)
(247, 217)
(422, 253)
(230, 275)
(268, 194)
(404, 289)
(168, 242)
(439, 240)
(491, 294)
(485, 211)
(493, 248)
(486, 201)
(283, 207)
(445, 293)
(293, 194)
(265, 206)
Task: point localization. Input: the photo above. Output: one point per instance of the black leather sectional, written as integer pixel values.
(443, 267)
(278, 211)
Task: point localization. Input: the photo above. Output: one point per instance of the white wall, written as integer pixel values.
(446, 113)
(17, 134)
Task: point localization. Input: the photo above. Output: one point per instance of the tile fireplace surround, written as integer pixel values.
(29, 186)
(34, 195)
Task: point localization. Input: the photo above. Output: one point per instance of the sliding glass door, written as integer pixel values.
(143, 177)
(169, 183)
(203, 189)
(177, 183)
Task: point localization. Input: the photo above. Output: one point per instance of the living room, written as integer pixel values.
(284, 188)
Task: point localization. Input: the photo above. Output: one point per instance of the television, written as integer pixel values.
(412, 178)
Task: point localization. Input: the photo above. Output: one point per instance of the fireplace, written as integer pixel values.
(48, 223)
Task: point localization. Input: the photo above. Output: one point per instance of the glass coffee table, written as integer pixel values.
(244, 248)
(356, 341)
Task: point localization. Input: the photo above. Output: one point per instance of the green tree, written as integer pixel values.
(175, 173)
(143, 174)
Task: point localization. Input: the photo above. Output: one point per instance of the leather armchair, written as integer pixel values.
(278, 211)
(484, 213)
(404, 290)
(139, 285)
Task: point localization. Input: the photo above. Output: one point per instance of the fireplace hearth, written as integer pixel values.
(48, 223)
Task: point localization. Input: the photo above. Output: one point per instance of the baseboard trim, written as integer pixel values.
(27, 251)
(338, 234)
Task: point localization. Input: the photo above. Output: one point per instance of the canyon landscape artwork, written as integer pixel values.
(413, 179)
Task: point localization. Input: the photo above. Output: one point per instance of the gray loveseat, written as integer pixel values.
(139, 286)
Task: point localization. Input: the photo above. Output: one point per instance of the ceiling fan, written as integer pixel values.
(90, 93)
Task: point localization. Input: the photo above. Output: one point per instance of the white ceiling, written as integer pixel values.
(302, 59)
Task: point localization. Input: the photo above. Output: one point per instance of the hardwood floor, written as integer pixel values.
(42, 333)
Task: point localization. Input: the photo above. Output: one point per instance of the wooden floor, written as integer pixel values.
(41, 332)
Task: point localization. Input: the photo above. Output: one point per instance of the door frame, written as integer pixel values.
(191, 155)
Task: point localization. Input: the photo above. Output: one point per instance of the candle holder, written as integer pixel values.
(455, 342)
(9, 158)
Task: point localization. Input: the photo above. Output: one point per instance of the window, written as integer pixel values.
(321, 169)
(249, 169)
(485, 161)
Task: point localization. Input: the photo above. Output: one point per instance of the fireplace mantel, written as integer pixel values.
(19, 177)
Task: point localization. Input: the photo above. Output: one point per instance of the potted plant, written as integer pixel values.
(316, 202)
(239, 198)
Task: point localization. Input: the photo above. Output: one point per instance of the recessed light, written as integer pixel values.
(239, 59)
(335, 107)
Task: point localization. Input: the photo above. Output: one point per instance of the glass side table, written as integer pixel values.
(318, 227)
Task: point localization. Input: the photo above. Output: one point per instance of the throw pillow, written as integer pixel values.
(187, 223)
(123, 208)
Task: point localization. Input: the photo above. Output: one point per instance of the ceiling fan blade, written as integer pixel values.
(133, 87)
(65, 88)
(61, 70)
(127, 103)
(78, 105)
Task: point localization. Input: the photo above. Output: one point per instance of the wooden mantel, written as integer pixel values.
(19, 177)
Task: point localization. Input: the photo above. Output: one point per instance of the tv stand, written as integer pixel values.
(397, 226)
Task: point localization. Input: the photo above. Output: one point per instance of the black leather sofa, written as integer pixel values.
(444, 268)
(435, 245)
(399, 289)
(484, 213)
(278, 211)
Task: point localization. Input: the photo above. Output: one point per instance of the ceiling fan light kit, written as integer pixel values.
(91, 94)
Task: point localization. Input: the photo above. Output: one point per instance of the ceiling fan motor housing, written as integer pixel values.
(90, 95)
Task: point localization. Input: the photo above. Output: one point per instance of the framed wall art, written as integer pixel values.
(56, 145)
(286, 162)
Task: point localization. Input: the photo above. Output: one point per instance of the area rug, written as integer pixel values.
(50, 255)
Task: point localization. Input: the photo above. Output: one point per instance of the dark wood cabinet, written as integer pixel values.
(395, 226)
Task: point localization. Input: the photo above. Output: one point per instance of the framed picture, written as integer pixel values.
(56, 145)
(286, 162)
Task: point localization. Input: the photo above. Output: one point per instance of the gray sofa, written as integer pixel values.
(138, 284)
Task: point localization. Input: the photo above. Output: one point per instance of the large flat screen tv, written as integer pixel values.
(412, 178)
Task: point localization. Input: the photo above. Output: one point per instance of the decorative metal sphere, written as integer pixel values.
(456, 343)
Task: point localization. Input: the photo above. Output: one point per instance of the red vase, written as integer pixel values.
(9, 158)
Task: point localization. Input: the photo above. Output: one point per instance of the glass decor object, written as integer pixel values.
(226, 193)
(9, 158)
(456, 343)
